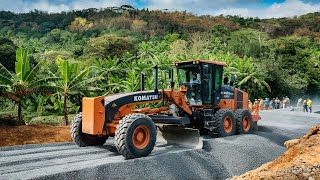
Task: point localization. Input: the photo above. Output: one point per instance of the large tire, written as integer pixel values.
(135, 136)
(82, 139)
(224, 123)
(244, 121)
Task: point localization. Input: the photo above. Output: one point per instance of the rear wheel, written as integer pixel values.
(135, 136)
(224, 123)
(83, 139)
(244, 121)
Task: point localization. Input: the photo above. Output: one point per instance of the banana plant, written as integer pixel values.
(36, 103)
(24, 81)
(72, 80)
(250, 77)
(111, 70)
(131, 83)
(145, 50)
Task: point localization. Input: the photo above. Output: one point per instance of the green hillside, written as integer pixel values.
(110, 47)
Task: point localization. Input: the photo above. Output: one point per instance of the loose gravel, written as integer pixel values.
(219, 159)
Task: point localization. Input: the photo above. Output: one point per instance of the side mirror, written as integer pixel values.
(232, 80)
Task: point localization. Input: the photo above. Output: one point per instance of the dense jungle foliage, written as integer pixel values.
(65, 56)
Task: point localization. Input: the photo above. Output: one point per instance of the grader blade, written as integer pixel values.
(181, 136)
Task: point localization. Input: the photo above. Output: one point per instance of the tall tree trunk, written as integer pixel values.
(20, 114)
(65, 110)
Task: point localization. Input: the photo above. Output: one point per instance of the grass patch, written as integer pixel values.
(8, 113)
(9, 118)
(53, 120)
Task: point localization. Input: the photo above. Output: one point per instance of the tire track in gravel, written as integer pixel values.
(36, 160)
(219, 159)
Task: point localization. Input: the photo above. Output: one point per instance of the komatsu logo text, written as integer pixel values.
(146, 98)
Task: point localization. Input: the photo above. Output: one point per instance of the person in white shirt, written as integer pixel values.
(195, 89)
(194, 79)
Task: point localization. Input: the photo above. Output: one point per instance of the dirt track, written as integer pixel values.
(33, 134)
(221, 158)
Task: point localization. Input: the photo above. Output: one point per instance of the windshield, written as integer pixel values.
(189, 76)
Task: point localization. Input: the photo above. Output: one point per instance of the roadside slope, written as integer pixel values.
(300, 161)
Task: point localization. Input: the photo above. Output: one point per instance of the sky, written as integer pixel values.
(245, 8)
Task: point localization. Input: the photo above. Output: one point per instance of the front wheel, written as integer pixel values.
(82, 139)
(135, 136)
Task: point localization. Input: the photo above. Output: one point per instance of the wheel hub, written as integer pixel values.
(246, 123)
(227, 124)
(141, 137)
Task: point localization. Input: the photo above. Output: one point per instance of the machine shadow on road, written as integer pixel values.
(159, 148)
(110, 148)
(271, 134)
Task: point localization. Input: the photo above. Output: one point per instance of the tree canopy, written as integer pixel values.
(80, 52)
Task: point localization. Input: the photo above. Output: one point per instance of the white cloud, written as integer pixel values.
(195, 6)
(189, 4)
(289, 8)
(49, 6)
(45, 5)
(84, 4)
(251, 8)
(24, 6)
(232, 11)
(246, 8)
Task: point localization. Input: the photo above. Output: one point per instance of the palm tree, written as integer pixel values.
(15, 86)
(250, 77)
(72, 80)
(229, 59)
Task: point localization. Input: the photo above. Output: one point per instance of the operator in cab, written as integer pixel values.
(195, 89)
(194, 79)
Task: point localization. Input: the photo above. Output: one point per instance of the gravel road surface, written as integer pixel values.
(219, 159)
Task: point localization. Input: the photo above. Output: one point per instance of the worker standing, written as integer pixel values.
(261, 104)
(271, 104)
(288, 101)
(250, 105)
(309, 103)
(305, 106)
(299, 102)
(266, 103)
(277, 103)
(284, 103)
(256, 107)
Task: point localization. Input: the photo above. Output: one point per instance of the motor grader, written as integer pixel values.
(202, 104)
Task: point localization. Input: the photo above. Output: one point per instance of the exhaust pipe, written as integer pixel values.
(155, 70)
(171, 78)
(142, 80)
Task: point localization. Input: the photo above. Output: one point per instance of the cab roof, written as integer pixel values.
(200, 61)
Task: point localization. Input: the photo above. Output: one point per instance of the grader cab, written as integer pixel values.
(201, 104)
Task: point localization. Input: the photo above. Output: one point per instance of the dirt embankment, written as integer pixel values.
(300, 161)
(33, 134)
